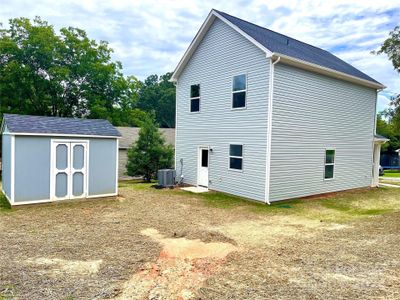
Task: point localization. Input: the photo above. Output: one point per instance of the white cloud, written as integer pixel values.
(150, 36)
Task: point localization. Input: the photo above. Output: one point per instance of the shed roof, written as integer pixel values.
(39, 125)
(129, 135)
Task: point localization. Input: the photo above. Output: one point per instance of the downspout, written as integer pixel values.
(269, 128)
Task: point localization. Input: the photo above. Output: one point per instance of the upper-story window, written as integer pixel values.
(239, 91)
(195, 98)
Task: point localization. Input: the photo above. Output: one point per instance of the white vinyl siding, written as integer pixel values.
(312, 113)
(223, 54)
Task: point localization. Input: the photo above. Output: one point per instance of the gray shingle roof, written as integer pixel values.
(285, 45)
(56, 125)
(129, 135)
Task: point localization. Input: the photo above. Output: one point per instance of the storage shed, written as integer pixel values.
(50, 158)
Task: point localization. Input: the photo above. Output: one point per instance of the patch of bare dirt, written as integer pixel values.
(182, 267)
(56, 266)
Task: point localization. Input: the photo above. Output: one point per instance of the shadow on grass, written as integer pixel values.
(4, 204)
(137, 184)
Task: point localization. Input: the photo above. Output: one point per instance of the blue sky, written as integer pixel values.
(149, 37)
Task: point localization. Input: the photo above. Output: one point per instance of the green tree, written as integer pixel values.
(391, 47)
(387, 129)
(149, 153)
(65, 74)
(158, 94)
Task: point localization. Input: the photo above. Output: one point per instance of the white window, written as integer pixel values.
(329, 163)
(236, 156)
(195, 98)
(239, 91)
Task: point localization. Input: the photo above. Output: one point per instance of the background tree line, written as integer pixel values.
(388, 121)
(67, 74)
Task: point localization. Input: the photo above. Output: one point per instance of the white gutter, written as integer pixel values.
(269, 127)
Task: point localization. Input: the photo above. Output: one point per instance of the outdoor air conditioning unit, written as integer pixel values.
(166, 177)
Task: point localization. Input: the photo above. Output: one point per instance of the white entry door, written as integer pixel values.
(69, 164)
(203, 160)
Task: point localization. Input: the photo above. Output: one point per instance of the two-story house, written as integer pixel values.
(267, 117)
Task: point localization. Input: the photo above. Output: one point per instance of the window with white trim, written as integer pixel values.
(236, 156)
(195, 98)
(329, 163)
(239, 91)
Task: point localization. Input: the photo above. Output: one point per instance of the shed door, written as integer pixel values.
(69, 169)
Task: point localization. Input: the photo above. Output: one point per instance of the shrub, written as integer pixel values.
(149, 153)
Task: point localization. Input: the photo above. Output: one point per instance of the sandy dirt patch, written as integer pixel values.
(181, 269)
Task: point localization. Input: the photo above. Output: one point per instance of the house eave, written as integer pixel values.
(325, 71)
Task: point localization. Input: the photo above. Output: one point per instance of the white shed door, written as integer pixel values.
(69, 164)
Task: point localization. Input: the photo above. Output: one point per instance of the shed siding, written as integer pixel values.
(6, 164)
(32, 168)
(222, 54)
(312, 112)
(102, 166)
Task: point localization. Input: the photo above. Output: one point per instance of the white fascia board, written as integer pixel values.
(325, 71)
(199, 37)
(61, 135)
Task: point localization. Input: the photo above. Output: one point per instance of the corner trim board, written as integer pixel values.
(12, 181)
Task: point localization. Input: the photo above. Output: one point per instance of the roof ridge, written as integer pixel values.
(265, 28)
(55, 117)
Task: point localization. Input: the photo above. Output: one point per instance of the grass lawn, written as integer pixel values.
(172, 244)
(392, 173)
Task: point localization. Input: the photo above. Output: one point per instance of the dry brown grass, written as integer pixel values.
(336, 248)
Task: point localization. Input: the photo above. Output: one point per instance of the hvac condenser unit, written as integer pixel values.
(166, 177)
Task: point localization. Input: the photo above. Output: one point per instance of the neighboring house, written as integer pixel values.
(267, 117)
(49, 159)
(129, 135)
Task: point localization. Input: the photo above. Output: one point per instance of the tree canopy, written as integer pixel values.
(387, 129)
(68, 74)
(391, 47)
